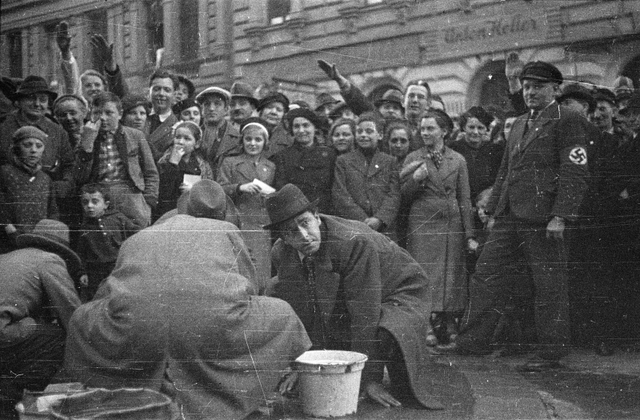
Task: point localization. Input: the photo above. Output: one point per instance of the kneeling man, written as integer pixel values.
(354, 289)
(180, 314)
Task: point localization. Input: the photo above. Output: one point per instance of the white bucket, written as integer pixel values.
(330, 382)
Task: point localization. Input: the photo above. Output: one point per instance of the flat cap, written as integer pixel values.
(542, 71)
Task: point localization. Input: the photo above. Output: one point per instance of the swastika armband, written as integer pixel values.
(578, 156)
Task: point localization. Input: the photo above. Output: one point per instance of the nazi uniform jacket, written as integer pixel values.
(544, 168)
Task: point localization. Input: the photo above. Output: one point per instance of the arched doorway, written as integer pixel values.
(632, 71)
(489, 86)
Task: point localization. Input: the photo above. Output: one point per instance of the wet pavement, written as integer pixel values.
(587, 387)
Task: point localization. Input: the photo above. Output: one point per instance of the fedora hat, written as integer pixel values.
(287, 203)
(325, 99)
(52, 236)
(393, 96)
(243, 90)
(34, 84)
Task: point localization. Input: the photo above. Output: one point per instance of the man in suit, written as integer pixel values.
(539, 187)
(162, 86)
(354, 289)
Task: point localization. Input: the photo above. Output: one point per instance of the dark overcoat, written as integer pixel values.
(309, 168)
(161, 138)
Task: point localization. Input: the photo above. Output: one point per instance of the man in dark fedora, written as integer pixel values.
(243, 103)
(354, 289)
(538, 190)
(36, 304)
(32, 100)
(390, 105)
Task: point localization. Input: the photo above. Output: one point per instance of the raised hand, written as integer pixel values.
(63, 39)
(328, 68)
(513, 65)
(104, 50)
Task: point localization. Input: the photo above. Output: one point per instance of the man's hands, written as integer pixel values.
(288, 383)
(105, 51)
(513, 69)
(89, 135)
(377, 393)
(332, 71)
(555, 228)
(64, 40)
(421, 173)
(374, 223)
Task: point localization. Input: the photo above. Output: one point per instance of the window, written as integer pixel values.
(189, 40)
(15, 54)
(278, 11)
(155, 28)
(97, 24)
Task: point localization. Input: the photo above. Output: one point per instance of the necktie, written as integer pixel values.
(318, 321)
(532, 119)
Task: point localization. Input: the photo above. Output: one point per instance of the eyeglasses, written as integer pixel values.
(398, 140)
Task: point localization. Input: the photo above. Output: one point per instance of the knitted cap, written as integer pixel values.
(29, 132)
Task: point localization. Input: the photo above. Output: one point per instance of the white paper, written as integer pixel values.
(191, 179)
(265, 189)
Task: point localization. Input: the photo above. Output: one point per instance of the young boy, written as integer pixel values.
(26, 192)
(102, 232)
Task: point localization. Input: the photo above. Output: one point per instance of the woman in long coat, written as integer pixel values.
(435, 180)
(236, 176)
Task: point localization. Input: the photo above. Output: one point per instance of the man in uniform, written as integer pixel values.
(354, 289)
(539, 187)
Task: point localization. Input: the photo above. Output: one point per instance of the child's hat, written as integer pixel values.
(29, 132)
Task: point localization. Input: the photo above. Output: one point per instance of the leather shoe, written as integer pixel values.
(539, 365)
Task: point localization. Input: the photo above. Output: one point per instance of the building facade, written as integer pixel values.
(458, 46)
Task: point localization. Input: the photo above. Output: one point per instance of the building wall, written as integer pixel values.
(458, 46)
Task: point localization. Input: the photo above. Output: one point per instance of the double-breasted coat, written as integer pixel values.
(308, 168)
(238, 170)
(363, 189)
(439, 224)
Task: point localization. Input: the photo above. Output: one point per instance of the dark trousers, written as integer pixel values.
(30, 364)
(494, 283)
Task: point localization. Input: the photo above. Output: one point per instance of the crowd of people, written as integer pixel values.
(154, 229)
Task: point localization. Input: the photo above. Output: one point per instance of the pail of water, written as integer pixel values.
(330, 382)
